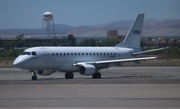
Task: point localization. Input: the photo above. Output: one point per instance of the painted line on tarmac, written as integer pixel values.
(10, 69)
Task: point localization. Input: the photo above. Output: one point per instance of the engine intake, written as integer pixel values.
(87, 69)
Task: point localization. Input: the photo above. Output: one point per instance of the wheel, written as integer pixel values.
(69, 75)
(96, 75)
(34, 77)
(66, 76)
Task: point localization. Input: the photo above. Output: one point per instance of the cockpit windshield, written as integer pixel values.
(28, 53)
(34, 53)
(25, 53)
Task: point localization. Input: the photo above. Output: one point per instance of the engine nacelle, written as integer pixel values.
(87, 69)
(45, 72)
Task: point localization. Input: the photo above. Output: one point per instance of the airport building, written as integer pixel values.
(113, 34)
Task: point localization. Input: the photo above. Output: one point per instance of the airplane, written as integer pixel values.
(85, 60)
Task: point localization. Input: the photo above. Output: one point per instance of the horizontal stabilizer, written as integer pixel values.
(147, 51)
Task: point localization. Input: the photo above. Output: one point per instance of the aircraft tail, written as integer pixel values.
(133, 37)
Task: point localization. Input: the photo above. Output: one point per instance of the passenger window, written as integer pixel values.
(60, 53)
(71, 53)
(79, 53)
(114, 53)
(97, 53)
(56, 53)
(64, 53)
(86, 53)
(90, 53)
(94, 54)
(34, 53)
(104, 53)
(67, 53)
(100, 53)
(82, 53)
(107, 53)
(52, 53)
(75, 54)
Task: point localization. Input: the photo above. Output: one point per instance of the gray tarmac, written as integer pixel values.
(127, 87)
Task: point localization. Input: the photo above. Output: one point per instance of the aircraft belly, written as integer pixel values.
(68, 67)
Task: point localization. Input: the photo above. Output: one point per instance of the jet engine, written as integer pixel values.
(87, 69)
(45, 72)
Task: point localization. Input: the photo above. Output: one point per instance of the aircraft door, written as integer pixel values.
(46, 55)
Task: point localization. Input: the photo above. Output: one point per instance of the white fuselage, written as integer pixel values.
(70, 59)
(63, 58)
(85, 60)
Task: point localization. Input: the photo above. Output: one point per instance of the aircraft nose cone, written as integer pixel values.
(18, 62)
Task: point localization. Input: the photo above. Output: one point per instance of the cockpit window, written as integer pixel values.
(34, 53)
(25, 53)
(28, 53)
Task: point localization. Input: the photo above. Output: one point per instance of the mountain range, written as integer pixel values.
(152, 27)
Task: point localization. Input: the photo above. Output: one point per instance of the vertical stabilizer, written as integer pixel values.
(133, 37)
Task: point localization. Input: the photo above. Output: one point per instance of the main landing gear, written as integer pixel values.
(69, 75)
(96, 75)
(34, 77)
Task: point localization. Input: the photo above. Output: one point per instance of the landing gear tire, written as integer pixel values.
(69, 75)
(34, 77)
(96, 75)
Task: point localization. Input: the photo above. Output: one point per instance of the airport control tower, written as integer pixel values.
(48, 30)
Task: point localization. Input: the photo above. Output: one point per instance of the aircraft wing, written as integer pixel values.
(124, 60)
(113, 61)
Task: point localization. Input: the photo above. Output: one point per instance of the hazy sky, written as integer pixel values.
(28, 13)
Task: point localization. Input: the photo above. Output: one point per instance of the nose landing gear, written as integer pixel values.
(34, 77)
